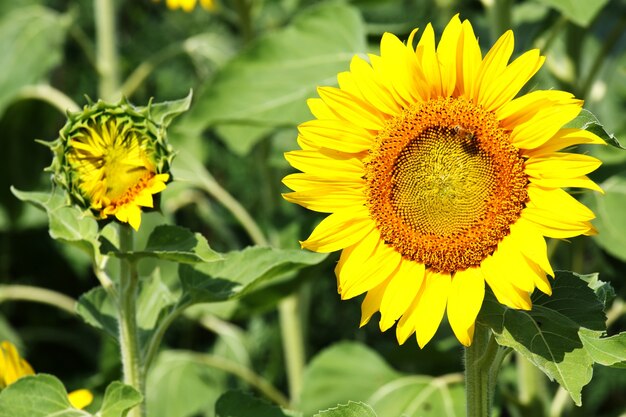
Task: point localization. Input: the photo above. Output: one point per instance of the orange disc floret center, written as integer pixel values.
(445, 184)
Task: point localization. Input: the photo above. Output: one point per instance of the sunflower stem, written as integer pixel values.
(127, 312)
(107, 60)
(482, 361)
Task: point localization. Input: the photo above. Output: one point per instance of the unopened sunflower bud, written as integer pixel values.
(114, 158)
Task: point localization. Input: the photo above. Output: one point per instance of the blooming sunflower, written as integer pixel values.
(13, 367)
(112, 159)
(438, 179)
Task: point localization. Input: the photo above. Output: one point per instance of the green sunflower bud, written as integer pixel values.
(112, 159)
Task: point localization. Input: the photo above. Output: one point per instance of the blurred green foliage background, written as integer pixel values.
(251, 65)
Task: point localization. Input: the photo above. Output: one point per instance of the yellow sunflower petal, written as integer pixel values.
(328, 199)
(501, 90)
(320, 110)
(305, 182)
(431, 305)
(371, 302)
(371, 88)
(561, 165)
(529, 241)
(447, 51)
(524, 108)
(469, 63)
(563, 139)
(337, 134)
(544, 125)
(427, 56)
(397, 64)
(496, 274)
(578, 182)
(80, 398)
(558, 202)
(400, 292)
(319, 163)
(493, 65)
(339, 230)
(352, 109)
(375, 269)
(467, 292)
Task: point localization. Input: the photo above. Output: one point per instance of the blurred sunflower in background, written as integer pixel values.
(189, 5)
(438, 179)
(13, 367)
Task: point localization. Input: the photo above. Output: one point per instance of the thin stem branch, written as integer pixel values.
(50, 95)
(155, 341)
(38, 295)
(560, 402)
(106, 49)
(244, 373)
(293, 342)
(127, 312)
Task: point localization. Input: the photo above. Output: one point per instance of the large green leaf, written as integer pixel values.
(420, 396)
(611, 216)
(67, 223)
(267, 85)
(239, 404)
(171, 243)
(344, 372)
(548, 335)
(39, 395)
(31, 41)
(580, 12)
(351, 409)
(607, 351)
(180, 386)
(240, 272)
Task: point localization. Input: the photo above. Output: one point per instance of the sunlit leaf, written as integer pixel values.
(611, 216)
(267, 85)
(548, 335)
(39, 395)
(607, 351)
(172, 243)
(179, 386)
(239, 404)
(420, 396)
(31, 41)
(351, 409)
(588, 121)
(344, 372)
(118, 399)
(67, 223)
(241, 271)
(580, 12)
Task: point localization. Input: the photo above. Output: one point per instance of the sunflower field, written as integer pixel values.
(313, 208)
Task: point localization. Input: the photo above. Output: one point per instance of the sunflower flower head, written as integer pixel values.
(14, 367)
(113, 159)
(438, 178)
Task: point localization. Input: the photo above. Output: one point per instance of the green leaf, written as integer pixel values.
(180, 386)
(351, 409)
(31, 41)
(118, 398)
(588, 121)
(580, 12)
(611, 220)
(607, 351)
(548, 335)
(98, 310)
(604, 291)
(345, 371)
(38, 395)
(268, 83)
(239, 404)
(420, 396)
(154, 300)
(173, 243)
(241, 271)
(67, 223)
(163, 113)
